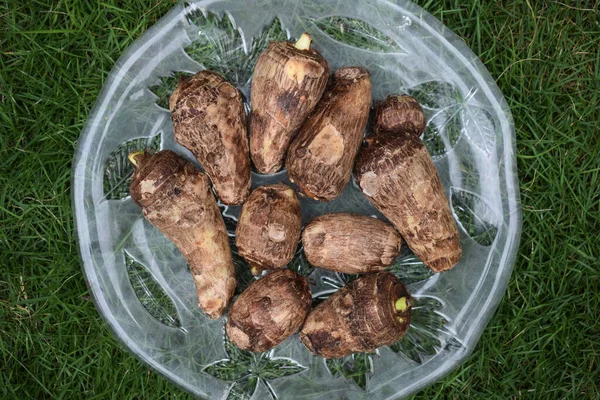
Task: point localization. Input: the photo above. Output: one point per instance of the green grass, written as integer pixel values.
(541, 344)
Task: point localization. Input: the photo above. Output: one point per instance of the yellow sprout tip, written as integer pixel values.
(304, 42)
(401, 304)
(132, 157)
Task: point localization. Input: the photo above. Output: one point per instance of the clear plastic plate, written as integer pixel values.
(140, 281)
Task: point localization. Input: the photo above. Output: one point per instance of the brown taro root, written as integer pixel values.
(269, 227)
(209, 120)
(269, 311)
(399, 114)
(177, 199)
(397, 175)
(349, 243)
(288, 82)
(370, 312)
(321, 157)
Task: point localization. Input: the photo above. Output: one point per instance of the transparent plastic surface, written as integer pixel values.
(140, 281)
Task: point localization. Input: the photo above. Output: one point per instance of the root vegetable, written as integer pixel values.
(397, 175)
(288, 82)
(372, 311)
(269, 227)
(209, 120)
(352, 244)
(177, 199)
(321, 157)
(399, 114)
(269, 311)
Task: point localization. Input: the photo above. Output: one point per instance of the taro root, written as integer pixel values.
(177, 199)
(288, 82)
(269, 311)
(209, 120)
(399, 114)
(398, 177)
(349, 243)
(321, 157)
(269, 227)
(370, 312)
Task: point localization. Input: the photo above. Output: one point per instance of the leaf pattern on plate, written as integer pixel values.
(479, 127)
(409, 268)
(243, 389)
(118, 170)
(442, 104)
(166, 87)
(468, 164)
(150, 294)
(334, 281)
(453, 115)
(278, 367)
(356, 33)
(442, 132)
(218, 46)
(358, 367)
(474, 215)
(427, 333)
(248, 370)
(436, 95)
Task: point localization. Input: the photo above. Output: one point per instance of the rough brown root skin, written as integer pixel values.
(210, 121)
(398, 177)
(269, 311)
(349, 243)
(177, 199)
(321, 156)
(286, 85)
(269, 227)
(359, 317)
(399, 114)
